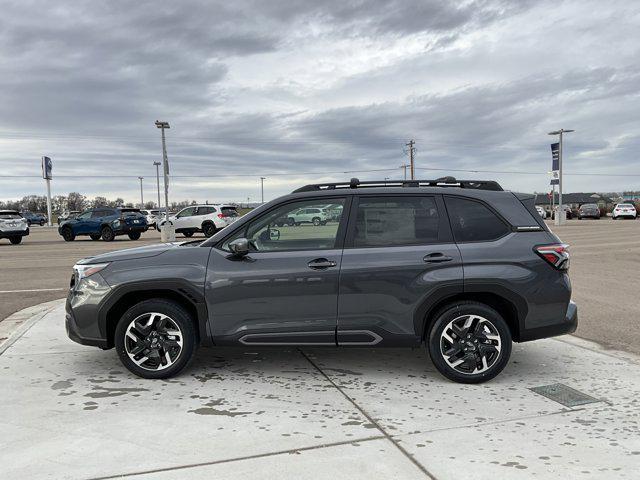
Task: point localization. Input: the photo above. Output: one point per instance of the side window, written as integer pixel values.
(187, 212)
(394, 221)
(471, 221)
(84, 215)
(98, 214)
(278, 230)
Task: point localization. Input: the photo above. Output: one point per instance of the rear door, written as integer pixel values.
(399, 256)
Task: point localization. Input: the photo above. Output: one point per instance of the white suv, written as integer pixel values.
(13, 226)
(317, 216)
(207, 219)
(624, 210)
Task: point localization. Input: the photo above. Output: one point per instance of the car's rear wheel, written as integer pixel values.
(68, 235)
(209, 229)
(155, 339)
(42, 223)
(15, 240)
(291, 222)
(95, 236)
(316, 221)
(107, 234)
(134, 235)
(188, 233)
(469, 342)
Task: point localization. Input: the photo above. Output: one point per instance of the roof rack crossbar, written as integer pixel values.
(438, 182)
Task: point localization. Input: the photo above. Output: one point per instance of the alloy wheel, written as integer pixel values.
(153, 341)
(470, 344)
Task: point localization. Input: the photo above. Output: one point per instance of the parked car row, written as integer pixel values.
(592, 210)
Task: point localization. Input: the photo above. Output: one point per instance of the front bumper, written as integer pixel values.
(14, 233)
(566, 325)
(82, 307)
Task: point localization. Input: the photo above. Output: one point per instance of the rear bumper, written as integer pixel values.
(132, 228)
(566, 325)
(13, 233)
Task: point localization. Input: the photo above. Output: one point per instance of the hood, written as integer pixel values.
(130, 253)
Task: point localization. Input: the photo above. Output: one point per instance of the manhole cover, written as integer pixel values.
(567, 396)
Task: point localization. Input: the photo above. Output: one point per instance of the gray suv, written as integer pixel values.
(461, 266)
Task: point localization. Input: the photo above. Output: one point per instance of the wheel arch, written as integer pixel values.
(511, 308)
(126, 296)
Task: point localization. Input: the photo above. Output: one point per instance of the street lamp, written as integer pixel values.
(560, 215)
(141, 194)
(157, 164)
(167, 232)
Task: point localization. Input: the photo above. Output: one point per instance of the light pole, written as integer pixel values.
(157, 164)
(561, 215)
(167, 232)
(262, 189)
(141, 194)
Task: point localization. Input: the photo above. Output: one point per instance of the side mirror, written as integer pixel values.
(239, 247)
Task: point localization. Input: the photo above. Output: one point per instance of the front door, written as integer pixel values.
(184, 218)
(285, 290)
(399, 256)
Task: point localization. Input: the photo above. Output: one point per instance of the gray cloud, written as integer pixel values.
(292, 87)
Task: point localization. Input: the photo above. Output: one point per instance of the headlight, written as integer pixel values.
(84, 271)
(116, 223)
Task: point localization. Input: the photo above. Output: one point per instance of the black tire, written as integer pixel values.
(42, 223)
(107, 234)
(15, 240)
(95, 236)
(188, 233)
(291, 222)
(67, 234)
(179, 316)
(472, 342)
(316, 221)
(134, 235)
(209, 229)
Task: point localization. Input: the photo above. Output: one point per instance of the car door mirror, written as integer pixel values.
(239, 246)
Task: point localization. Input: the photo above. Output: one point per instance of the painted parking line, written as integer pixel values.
(35, 290)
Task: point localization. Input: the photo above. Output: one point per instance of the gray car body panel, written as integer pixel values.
(380, 295)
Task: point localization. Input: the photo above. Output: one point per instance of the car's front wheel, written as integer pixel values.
(68, 235)
(155, 339)
(95, 237)
(188, 233)
(134, 235)
(15, 240)
(469, 342)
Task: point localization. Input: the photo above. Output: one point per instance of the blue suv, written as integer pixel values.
(105, 223)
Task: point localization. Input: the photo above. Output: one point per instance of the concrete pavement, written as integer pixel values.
(69, 411)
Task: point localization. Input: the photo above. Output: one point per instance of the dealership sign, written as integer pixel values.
(555, 163)
(47, 167)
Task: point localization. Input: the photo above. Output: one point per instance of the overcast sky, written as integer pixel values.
(308, 91)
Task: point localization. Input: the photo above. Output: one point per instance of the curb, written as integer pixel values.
(15, 326)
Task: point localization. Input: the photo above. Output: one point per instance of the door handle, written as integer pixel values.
(437, 257)
(321, 264)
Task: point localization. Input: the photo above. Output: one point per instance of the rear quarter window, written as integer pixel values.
(472, 221)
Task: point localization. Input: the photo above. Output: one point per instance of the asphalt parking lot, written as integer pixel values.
(604, 273)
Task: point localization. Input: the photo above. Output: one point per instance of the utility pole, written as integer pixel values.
(412, 150)
(141, 194)
(157, 164)
(262, 188)
(561, 215)
(168, 233)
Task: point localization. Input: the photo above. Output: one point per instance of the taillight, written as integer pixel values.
(557, 254)
(222, 215)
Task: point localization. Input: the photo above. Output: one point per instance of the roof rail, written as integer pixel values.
(438, 182)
